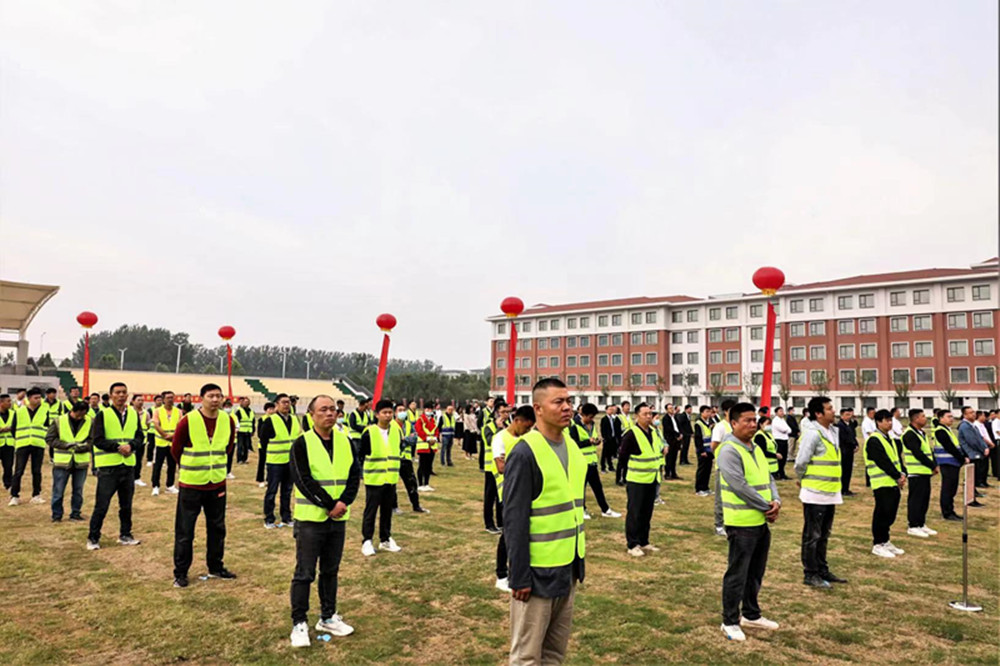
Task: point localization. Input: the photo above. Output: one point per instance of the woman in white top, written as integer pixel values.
(470, 433)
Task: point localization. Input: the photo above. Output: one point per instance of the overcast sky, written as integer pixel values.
(294, 169)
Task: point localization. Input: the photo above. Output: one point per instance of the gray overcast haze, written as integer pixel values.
(296, 168)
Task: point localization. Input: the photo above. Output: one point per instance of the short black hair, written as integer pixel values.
(816, 405)
(33, 391)
(626, 402)
(883, 415)
(525, 413)
(384, 404)
(687, 406)
(590, 409)
(363, 401)
(547, 383)
(268, 405)
(729, 404)
(638, 408)
(498, 403)
(703, 409)
(95, 395)
(869, 410)
(50, 390)
(4, 395)
(166, 393)
(915, 413)
(76, 408)
(107, 396)
(762, 420)
(209, 387)
(279, 397)
(738, 408)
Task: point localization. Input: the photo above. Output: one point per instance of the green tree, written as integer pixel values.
(106, 362)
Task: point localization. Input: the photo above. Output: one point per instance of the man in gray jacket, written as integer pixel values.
(973, 445)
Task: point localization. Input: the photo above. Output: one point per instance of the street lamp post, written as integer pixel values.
(177, 368)
(121, 362)
(284, 359)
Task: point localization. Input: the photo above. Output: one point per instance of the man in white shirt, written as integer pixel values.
(868, 426)
(994, 426)
(781, 432)
(897, 432)
(817, 468)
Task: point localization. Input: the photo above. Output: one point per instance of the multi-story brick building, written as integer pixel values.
(910, 338)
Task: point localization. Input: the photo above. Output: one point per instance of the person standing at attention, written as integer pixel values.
(30, 425)
(491, 498)
(203, 441)
(918, 460)
(426, 446)
(750, 501)
(781, 432)
(611, 438)
(380, 449)
(817, 467)
(446, 428)
(521, 422)
(720, 431)
(703, 443)
(643, 467)
(244, 436)
(887, 477)
(165, 420)
(276, 436)
(326, 478)
(583, 433)
(949, 456)
(68, 437)
(544, 529)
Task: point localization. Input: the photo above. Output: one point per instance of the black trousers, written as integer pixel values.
(995, 461)
(685, 445)
(949, 486)
(323, 542)
(278, 476)
(846, 467)
(884, 513)
(704, 473)
(782, 447)
(502, 570)
(7, 461)
(918, 499)
(36, 455)
(815, 535)
(608, 450)
(409, 482)
(748, 549)
(982, 471)
(163, 455)
(243, 445)
(491, 503)
(670, 470)
(150, 448)
(593, 479)
(113, 481)
(378, 499)
(639, 513)
(261, 461)
(425, 465)
(622, 470)
(229, 460)
(190, 503)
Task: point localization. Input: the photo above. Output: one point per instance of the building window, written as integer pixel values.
(900, 376)
(921, 322)
(651, 358)
(797, 353)
(616, 359)
(869, 376)
(584, 340)
(692, 315)
(957, 320)
(869, 350)
(651, 379)
(797, 329)
(845, 302)
(847, 377)
(815, 305)
(732, 356)
(923, 349)
(676, 337)
(900, 350)
(732, 379)
(616, 320)
(732, 312)
(501, 380)
(866, 326)
(714, 314)
(757, 333)
(543, 362)
(921, 296)
(502, 363)
(692, 336)
(959, 375)
(585, 361)
(553, 361)
(502, 328)
(571, 322)
(651, 337)
(732, 335)
(584, 323)
(636, 359)
(602, 380)
(635, 338)
(958, 348)
(584, 380)
(692, 358)
(616, 339)
(982, 320)
(571, 342)
(602, 340)
(845, 327)
(602, 321)
(898, 324)
(845, 352)
(602, 360)
(636, 317)
(924, 376)
(525, 345)
(795, 307)
(715, 379)
(502, 346)
(798, 377)
(756, 355)
(984, 347)
(756, 311)
(635, 380)
(543, 343)
(677, 316)
(981, 292)
(955, 294)
(571, 361)
(651, 317)
(817, 328)
(817, 376)
(897, 298)
(554, 343)
(715, 357)
(986, 375)
(676, 358)
(866, 301)
(676, 379)
(570, 380)
(817, 353)
(616, 380)
(715, 335)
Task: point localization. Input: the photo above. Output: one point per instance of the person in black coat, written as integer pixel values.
(847, 431)
(611, 434)
(672, 437)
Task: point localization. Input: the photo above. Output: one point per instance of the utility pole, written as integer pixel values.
(180, 345)
(121, 362)
(284, 358)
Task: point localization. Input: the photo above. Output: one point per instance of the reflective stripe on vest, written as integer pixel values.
(382, 465)
(360, 423)
(489, 431)
(245, 417)
(764, 440)
(115, 432)
(168, 423)
(555, 527)
(279, 447)
(643, 468)
(204, 462)
(941, 454)
(736, 512)
(706, 434)
(6, 439)
(823, 472)
(30, 429)
(508, 445)
(913, 466)
(62, 457)
(330, 474)
(587, 447)
(447, 424)
(878, 478)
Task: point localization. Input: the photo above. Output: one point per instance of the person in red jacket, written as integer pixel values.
(427, 434)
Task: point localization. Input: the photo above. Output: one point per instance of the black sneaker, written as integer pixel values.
(954, 516)
(847, 493)
(222, 573)
(77, 518)
(976, 504)
(833, 578)
(56, 520)
(181, 581)
(421, 509)
(816, 581)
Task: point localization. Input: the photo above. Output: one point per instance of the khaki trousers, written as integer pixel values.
(540, 629)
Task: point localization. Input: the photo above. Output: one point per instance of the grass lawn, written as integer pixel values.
(435, 601)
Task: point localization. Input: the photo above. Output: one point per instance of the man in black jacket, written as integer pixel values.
(672, 437)
(881, 461)
(847, 432)
(611, 434)
(686, 430)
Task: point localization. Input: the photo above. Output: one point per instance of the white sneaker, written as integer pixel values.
(262, 485)
(429, 489)
(659, 500)
(13, 501)
(390, 546)
(149, 464)
(733, 632)
(230, 476)
(367, 549)
(502, 585)
(917, 532)
(928, 530)
(586, 516)
(720, 531)
(128, 541)
(761, 623)
(173, 490)
(611, 514)
(140, 483)
(892, 549)
(156, 491)
(880, 550)
(636, 552)
(335, 625)
(37, 499)
(270, 526)
(421, 489)
(93, 545)
(300, 635)
(650, 548)
(702, 493)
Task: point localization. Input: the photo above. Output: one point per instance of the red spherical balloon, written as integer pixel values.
(768, 279)
(512, 306)
(227, 332)
(86, 319)
(385, 322)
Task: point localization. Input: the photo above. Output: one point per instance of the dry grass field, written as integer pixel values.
(435, 602)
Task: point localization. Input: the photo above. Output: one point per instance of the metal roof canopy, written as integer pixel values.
(20, 302)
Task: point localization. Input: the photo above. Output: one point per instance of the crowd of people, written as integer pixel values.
(537, 462)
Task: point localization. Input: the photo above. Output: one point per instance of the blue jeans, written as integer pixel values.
(447, 441)
(60, 477)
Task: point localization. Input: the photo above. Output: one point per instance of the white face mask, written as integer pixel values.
(656, 422)
(767, 428)
(341, 421)
(428, 413)
(401, 416)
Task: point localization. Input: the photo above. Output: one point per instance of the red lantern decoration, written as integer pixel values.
(769, 280)
(512, 306)
(385, 322)
(88, 320)
(227, 333)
